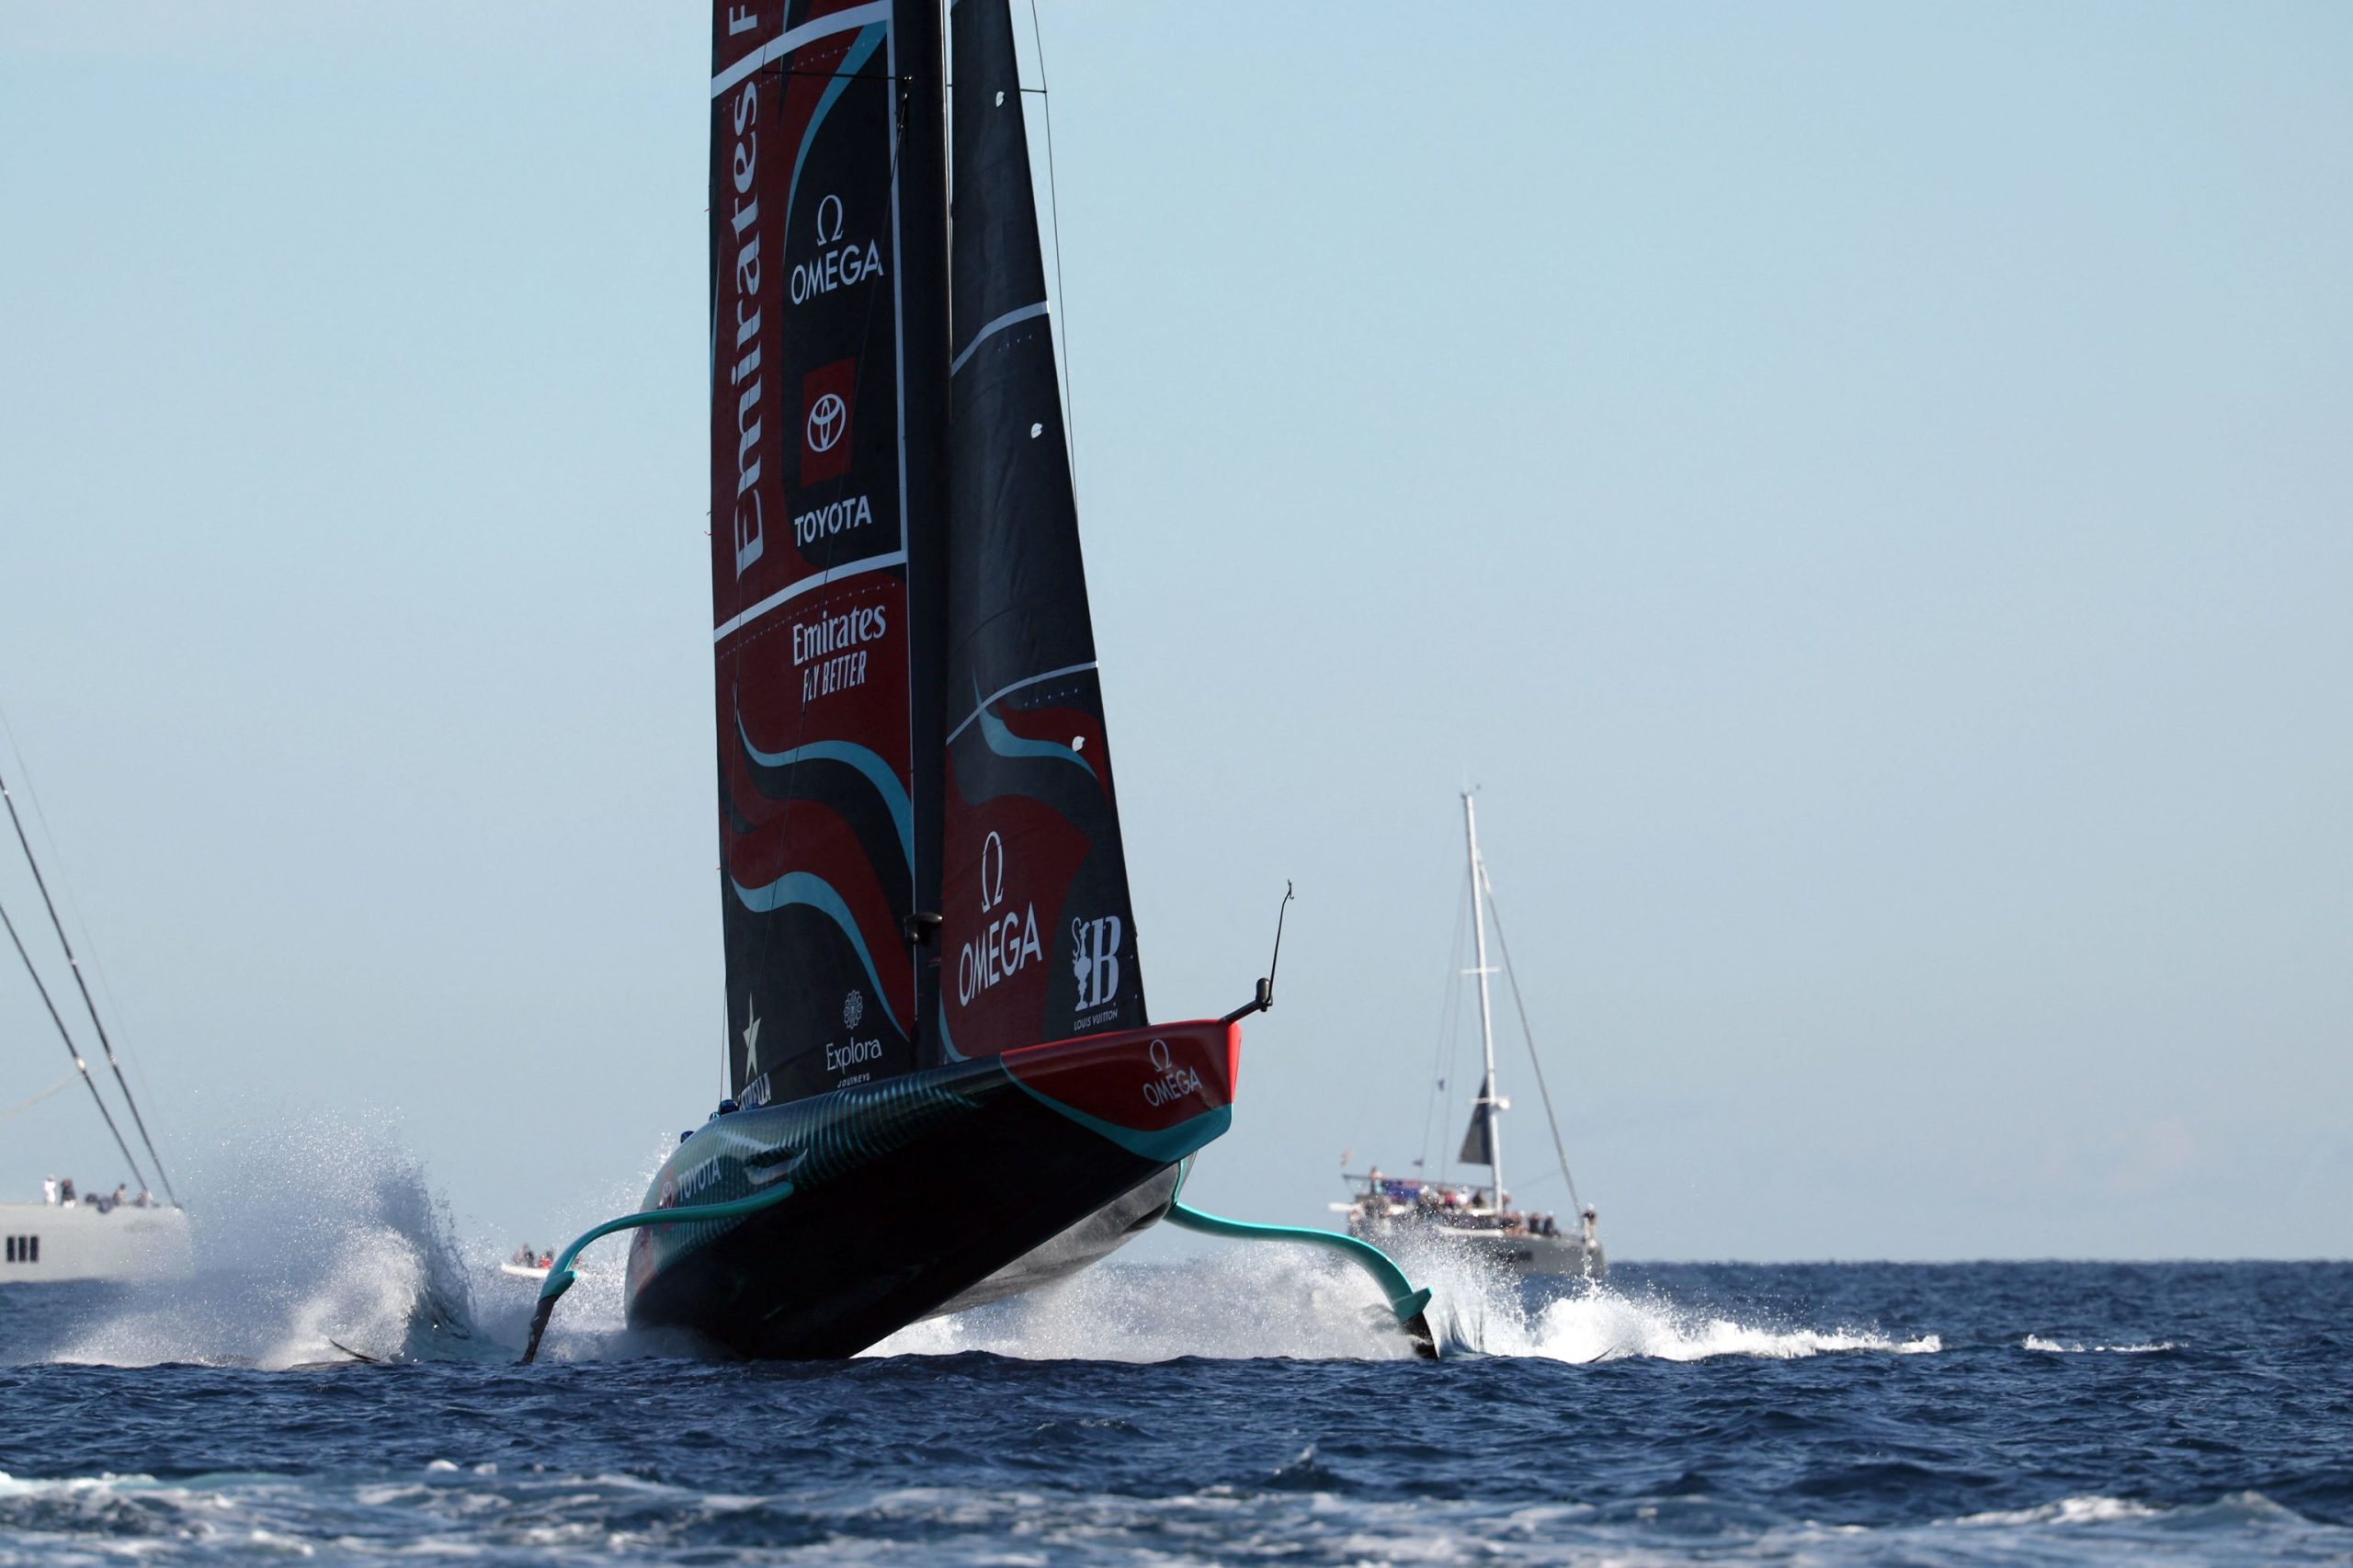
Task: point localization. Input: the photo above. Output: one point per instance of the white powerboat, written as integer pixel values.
(49, 1244)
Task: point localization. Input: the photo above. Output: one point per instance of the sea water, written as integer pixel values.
(1251, 1407)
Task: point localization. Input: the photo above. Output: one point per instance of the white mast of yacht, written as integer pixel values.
(1488, 1103)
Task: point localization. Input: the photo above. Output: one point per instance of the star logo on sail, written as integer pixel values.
(827, 395)
(750, 1039)
(853, 1008)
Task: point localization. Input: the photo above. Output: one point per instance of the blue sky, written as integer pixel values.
(1864, 490)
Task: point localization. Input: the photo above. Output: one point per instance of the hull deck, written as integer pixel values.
(929, 1192)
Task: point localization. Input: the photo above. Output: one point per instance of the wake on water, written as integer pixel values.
(358, 1258)
(354, 1257)
(1264, 1300)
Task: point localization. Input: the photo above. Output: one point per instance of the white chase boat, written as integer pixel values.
(65, 1237)
(1470, 1216)
(52, 1243)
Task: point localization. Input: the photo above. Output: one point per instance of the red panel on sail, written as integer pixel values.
(817, 699)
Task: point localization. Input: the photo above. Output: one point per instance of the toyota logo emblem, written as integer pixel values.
(828, 416)
(1163, 1059)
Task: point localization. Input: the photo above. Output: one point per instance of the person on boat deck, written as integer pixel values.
(1592, 1225)
(49, 1189)
(122, 1194)
(65, 1193)
(547, 1260)
(146, 1199)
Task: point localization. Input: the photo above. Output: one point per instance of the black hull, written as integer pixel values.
(927, 1192)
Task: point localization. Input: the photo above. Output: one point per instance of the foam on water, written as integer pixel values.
(1262, 1300)
(330, 1241)
(1600, 1324)
(322, 1240)
(326, 1242)
(1241, 1301)
(468, 1511)
(2066, 1511)
(2056, 1347)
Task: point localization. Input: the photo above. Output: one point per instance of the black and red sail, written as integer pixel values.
(1038, 941)
(909, 719)
(828, 343)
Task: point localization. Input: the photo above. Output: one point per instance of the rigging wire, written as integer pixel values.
(70, 1049)
(32, 790)
(1529, 1036)
(1054, 211)
(84, 986)
(64, 1083)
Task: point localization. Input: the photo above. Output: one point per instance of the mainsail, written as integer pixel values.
(1479, 1138)
(828, 350)
(1039, 936)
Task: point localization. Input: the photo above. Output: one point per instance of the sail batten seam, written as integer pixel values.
(784, 43)
(1010, 318)
(815, 580)
(1004, 691)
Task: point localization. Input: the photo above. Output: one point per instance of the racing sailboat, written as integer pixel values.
(944, 1088)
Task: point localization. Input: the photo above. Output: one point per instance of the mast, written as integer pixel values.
(1483, 1113)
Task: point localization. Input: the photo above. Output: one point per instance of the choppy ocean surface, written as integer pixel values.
(1249, 1407)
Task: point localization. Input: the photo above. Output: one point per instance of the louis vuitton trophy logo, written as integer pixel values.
(1094, 959)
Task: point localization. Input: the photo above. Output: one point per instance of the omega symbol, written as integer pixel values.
(992, 889)
(833, 204)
